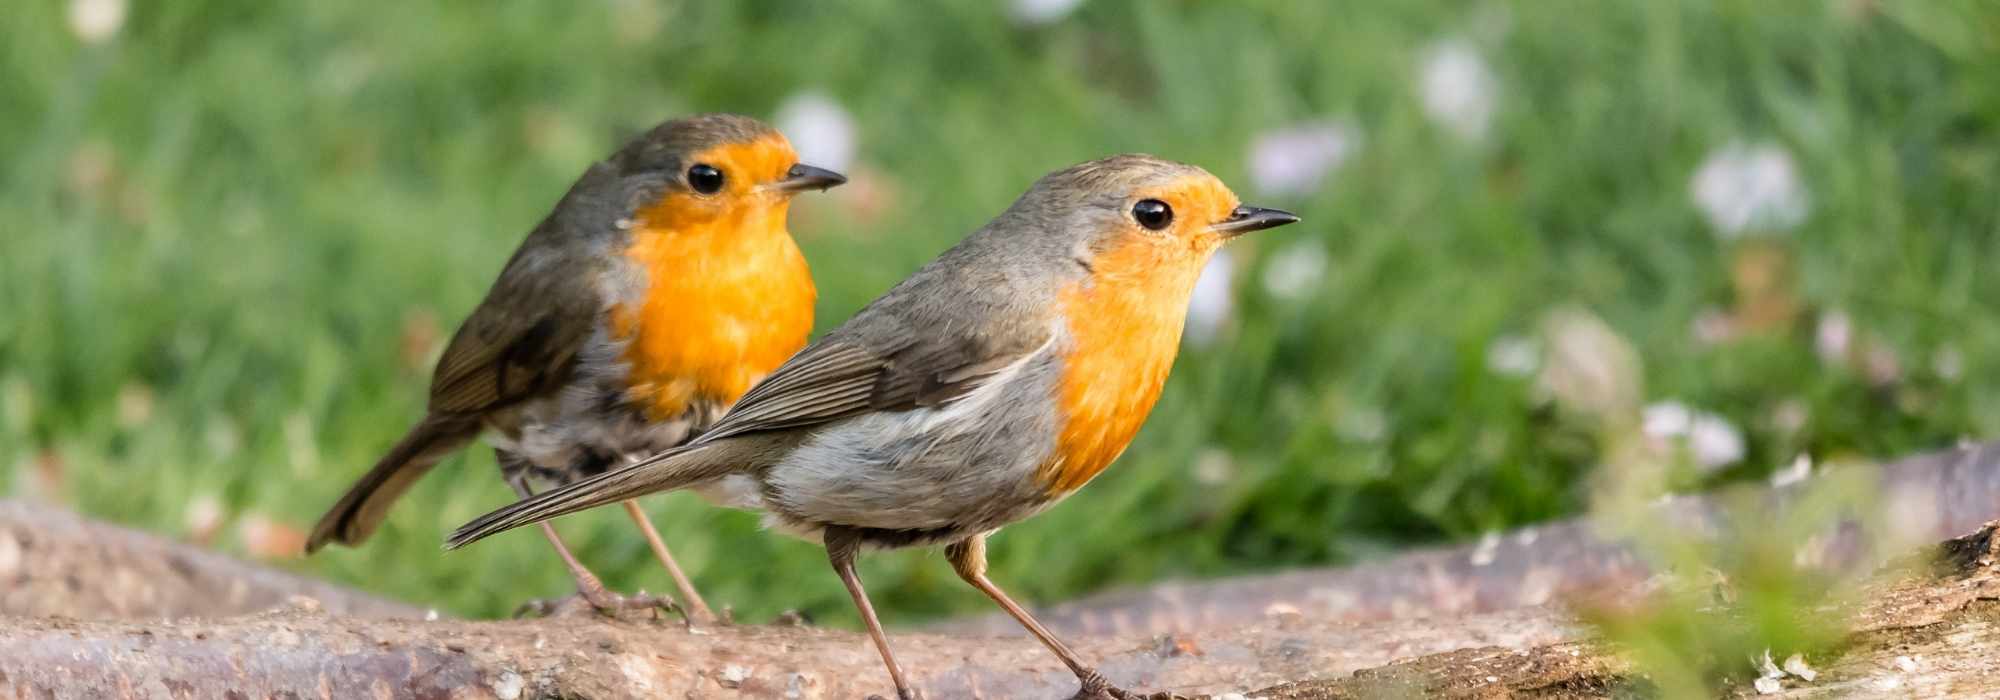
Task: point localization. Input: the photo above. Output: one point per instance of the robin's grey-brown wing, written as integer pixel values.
(880, 365)
(903, 368)
(523, 340)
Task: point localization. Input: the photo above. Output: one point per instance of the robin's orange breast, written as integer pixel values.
(726, 302)
(1125, 327)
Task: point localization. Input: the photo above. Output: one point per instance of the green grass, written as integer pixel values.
(235, 209)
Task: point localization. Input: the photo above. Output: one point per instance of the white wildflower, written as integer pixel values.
(820, 130)
(1948, 364)
(1513, 356)
(1360, 423)
(1711, 439)
(1587, 367)
(1714, 327)
(1295, 160)
(1834, 337)
(1459, 90)
(1743, 188)
(1213, 467)
(94, 21)
(1296, 270)
(1044, 11)
(1800, 468)
(1213, 302)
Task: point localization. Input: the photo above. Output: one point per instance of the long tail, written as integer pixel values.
(676, 468)
(356, 515)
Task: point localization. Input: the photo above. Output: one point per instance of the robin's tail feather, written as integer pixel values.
(677, 468)
(355, 517)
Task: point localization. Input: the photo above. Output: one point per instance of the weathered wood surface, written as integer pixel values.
(54, 563)
(86, 604)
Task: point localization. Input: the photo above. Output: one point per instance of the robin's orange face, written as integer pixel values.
(728, 184)
(1125, 320)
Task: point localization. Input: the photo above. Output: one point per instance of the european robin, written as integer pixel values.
(662, 286)
(994, 382)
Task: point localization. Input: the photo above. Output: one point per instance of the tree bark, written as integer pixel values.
(54, 563)
(1467, 622)
(1931, 497)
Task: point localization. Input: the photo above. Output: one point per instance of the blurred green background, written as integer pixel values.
(235, 234)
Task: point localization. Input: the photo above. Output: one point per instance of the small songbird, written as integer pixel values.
(991, 384)
(662, 286)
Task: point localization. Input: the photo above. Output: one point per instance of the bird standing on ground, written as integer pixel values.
(662, 286)
(992, 383)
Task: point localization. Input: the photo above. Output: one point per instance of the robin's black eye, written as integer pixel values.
(1153, 214)
(705, 178)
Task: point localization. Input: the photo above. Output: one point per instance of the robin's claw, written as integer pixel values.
(600, 604)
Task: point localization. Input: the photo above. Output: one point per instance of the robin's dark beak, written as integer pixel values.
(1246, 219)
(804, 177)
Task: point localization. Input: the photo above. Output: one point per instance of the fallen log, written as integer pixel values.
(54, 563)
(1929, 635)
(1932, 497)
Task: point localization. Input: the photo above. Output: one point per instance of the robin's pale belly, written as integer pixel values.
(926, 475)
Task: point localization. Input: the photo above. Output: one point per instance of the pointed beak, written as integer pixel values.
(1246, 219)
(804, 177)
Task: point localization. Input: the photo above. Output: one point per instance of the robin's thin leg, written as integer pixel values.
(841, 546)
(697, 608)
(968, 558)
(588, 586)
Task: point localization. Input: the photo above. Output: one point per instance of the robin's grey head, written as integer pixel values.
(703, 165)
(1131, 202)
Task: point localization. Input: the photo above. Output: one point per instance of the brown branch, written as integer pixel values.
(54, 563)
(1954, 491)
(1931, 634)
(1414, 636)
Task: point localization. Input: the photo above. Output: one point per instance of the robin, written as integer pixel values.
(988, 386)
(662, 286)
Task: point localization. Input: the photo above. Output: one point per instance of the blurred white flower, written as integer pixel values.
(1882, 365)
(1296, 270)
(1043, 11)
(1587, 367)
(1459, 90)
(1362, 423)
(1295, 160)
(1513, 356)
(1213, 467)
(820, 129)
(135, 405)
(94, 21)
(1710, 439)
(203, 518)
(1834, 337)
(1790, 416)
(1948, 364)
(1743, 188)
(1714, 327)
(1212, 303)
(1800, 468)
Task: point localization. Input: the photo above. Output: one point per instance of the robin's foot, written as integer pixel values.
(792, 618)
(1094, 687)
(598, 603)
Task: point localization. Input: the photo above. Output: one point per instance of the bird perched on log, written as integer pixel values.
(994, 382)
(662, 286)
